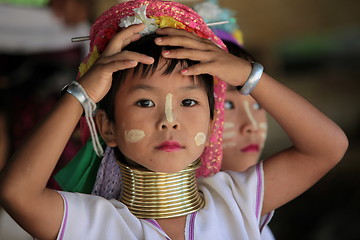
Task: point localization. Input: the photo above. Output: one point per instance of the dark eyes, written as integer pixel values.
(188, 102)
(145, 103)
(229, 105)
(257, 106)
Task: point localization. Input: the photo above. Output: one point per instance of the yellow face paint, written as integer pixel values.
(229, 135)
(228, 145)
(228, 125)
(263, 126)
(134, 135)
(168, 108)
(249, 114)
(200, 138)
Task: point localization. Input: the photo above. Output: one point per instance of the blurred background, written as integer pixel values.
(311, 46)
(314, 48)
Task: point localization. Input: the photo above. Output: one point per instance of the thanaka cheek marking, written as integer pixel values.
(229, 145)
(227, 135)
(134, 135)
(229, 125)
(168, 108)
(200, 138)
(263, 126)
(249, 114)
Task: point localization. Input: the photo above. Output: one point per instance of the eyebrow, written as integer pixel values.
(150, 88)
(140, 87)
(192, 87)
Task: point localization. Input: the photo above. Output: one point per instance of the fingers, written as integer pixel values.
(182, 38)
(120, 61)
(123, 38)
(127, 55)
(185, 42)
(97, 81)
(197, 69)
(118, 65)
(123, 60)
(193, 48)
(173, 31)
(192, 54)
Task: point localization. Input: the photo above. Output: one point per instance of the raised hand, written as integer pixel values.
(97, 81)
(213, 60)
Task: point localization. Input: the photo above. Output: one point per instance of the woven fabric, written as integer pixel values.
(108, 184)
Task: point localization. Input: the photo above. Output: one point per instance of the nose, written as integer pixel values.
(250, 125)
(168, 120)
(167, 125)
(249, 128)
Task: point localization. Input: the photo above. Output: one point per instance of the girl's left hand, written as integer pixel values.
(213, 60)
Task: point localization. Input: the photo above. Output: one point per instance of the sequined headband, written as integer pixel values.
(162, 14)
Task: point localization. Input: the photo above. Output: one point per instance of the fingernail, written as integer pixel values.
(150, 60)
(166, 52)
(159, 39)
(184, 71)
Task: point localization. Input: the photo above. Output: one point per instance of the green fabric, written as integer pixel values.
(35, 3)
(79, 174)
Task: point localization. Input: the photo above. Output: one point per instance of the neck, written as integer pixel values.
(150, 194)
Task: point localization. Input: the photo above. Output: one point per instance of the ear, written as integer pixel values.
(106, 128)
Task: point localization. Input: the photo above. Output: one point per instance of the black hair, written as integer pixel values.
(238, 51)
(147, 46)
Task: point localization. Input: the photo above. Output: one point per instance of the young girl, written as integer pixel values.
(245, 124)
(245, 128)
(160, 121)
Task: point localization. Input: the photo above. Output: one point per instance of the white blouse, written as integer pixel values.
(233, 203)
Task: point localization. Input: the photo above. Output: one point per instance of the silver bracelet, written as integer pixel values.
(253, 79)
(75, 89)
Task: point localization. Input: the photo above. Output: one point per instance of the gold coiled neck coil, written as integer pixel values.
(156, 195)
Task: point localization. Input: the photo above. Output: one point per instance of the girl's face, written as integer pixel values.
(245, 130)
(161, 121)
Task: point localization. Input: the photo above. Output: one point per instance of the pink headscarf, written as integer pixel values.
(107, 25)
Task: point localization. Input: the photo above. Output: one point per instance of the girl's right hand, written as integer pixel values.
(97, 81)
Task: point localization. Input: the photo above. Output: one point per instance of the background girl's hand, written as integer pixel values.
(213, 60)
(97, 81)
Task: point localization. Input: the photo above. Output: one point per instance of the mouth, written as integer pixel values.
(170, 146)
(250, 148)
